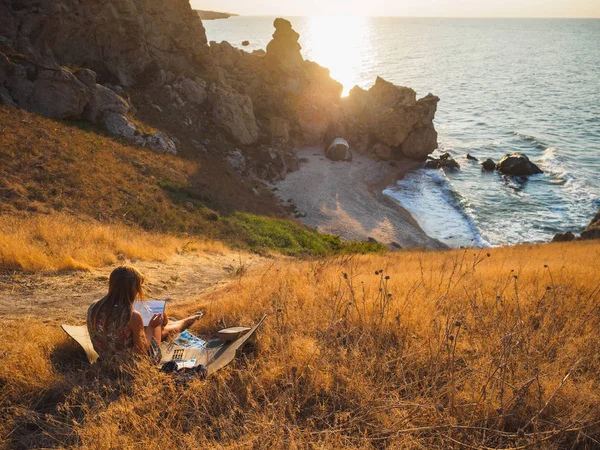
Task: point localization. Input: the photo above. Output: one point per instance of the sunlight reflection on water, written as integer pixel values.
(340, 44)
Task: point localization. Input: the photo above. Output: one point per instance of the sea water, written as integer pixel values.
(506, 85)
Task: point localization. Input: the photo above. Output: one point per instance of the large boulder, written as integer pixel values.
(58, 94)
(120, 125)
(193, 91)
(159, 142)
(593, 229)
(517, 164)
(233, 112)
(105, 101)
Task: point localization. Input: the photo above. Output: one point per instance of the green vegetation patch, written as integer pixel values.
(258, 233)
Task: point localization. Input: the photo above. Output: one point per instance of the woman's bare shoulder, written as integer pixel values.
(136, 320)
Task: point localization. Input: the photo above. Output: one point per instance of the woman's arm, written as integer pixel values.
(136, 325)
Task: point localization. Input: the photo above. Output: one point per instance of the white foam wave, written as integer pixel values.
(437, 208)
(559, 172)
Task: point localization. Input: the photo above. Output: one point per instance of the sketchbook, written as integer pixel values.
(148, 308)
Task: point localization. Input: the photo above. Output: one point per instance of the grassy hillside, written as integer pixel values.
(461, 349)
(49, 167)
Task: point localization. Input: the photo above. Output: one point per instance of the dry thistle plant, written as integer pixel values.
(459, 349)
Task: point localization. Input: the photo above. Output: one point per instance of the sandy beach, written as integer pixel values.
(346, 199)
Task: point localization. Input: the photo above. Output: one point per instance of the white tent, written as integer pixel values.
(339, 150)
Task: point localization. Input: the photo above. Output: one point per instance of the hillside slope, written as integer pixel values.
(437, 350)
(63, 170)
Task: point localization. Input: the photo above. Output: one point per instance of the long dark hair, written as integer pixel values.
(124, 287)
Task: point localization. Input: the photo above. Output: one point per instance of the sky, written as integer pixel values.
(410, 8)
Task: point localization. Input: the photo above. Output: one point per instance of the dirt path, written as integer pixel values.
(66, 296)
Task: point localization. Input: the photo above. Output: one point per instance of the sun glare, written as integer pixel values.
(339, 44)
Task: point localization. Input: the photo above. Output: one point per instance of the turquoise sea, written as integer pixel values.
(506, 85)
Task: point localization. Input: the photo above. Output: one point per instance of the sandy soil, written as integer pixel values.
(65, 297)
(345, 199)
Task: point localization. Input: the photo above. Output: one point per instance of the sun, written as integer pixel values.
(338, 43)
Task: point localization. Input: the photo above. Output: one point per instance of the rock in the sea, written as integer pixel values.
(567, 236)
(245, 43)
(471, 157)
(517, 164)
(488, 165)
(445, 161)
(593, 229)
(234, 113)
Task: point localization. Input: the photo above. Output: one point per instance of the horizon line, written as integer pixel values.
(413, 17)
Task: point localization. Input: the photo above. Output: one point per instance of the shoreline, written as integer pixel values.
(347, 200)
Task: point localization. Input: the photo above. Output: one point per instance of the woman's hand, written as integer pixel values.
(156, 321)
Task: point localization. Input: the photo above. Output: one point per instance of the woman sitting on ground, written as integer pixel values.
(114, 326)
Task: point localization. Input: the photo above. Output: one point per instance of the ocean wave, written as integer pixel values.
(438, 209)
(559, 172)
(532, 140)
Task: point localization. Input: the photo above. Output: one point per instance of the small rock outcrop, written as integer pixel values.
(488, 165)
(471, 157)
(445, 161)
(593, 229)
(517, 164)
(567, 236)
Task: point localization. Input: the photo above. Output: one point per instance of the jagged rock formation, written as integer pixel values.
(119, 40)
(593, 229)
(445, 161)
(393, 118)
(125, 64)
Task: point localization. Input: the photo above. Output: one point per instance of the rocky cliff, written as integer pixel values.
(143, 70)
(593, 229)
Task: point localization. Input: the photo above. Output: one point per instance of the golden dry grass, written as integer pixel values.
(454, 350)
(61, 242)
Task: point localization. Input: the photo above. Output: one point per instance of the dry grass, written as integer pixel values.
(455, 350)
(61, 242)
(48, 166)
